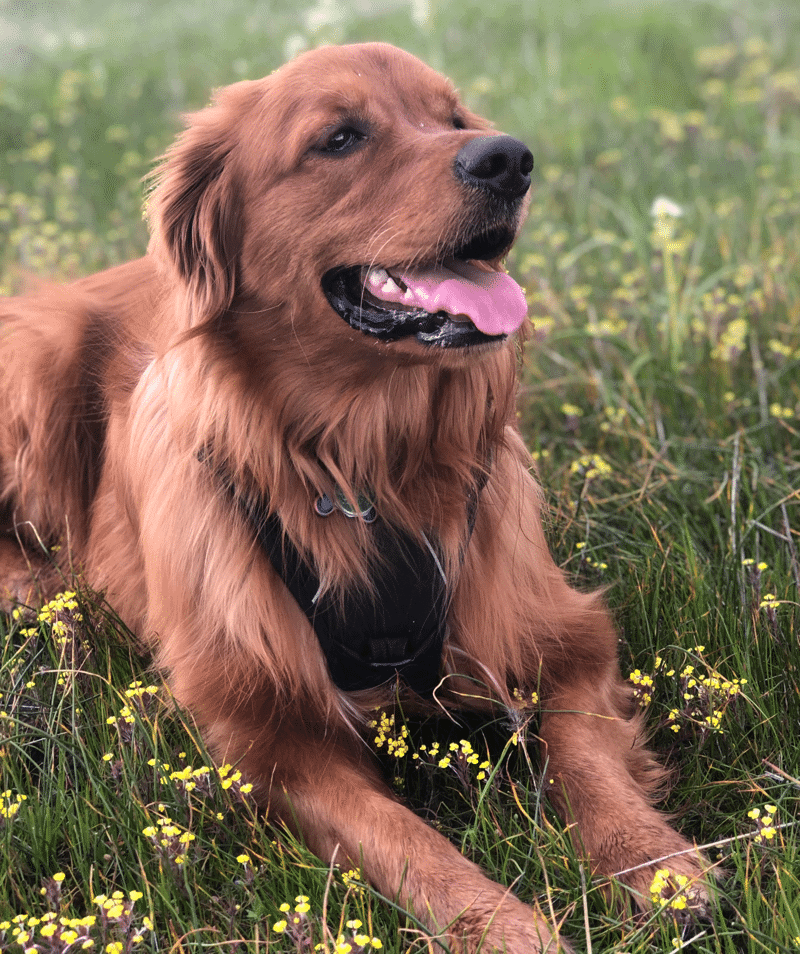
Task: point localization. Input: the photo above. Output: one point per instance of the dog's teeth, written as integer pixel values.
(377, 277)
(381, 281)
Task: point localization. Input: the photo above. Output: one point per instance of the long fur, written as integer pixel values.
(220, 341)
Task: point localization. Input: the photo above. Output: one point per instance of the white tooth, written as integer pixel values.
(390, 285)
(408, 295)
(377, 276)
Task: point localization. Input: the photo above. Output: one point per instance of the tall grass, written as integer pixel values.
(661, 400)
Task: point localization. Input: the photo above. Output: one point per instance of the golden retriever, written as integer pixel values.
(283, 444)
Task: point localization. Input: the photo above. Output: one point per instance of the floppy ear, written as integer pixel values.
(194, 211)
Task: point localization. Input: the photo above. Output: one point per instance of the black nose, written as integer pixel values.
(500, 164)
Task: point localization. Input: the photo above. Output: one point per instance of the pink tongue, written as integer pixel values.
(492, 301)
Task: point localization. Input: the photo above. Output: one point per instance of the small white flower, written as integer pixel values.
(420, 12)
(663, 206)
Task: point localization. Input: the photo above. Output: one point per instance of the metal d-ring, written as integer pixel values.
(324, 506)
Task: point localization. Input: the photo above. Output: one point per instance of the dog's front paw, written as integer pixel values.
(509, 927)
(678, 878)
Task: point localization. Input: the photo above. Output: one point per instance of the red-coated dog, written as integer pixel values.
(283, 443)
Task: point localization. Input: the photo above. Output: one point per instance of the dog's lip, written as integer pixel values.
(347, 295)
(347, 288)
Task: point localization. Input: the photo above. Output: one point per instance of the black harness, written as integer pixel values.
(398, 629)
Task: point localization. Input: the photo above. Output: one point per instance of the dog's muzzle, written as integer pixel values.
(451, 300)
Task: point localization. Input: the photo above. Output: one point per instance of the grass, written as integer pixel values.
(661, 401)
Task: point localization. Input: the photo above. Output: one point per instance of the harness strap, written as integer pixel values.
(368, 637)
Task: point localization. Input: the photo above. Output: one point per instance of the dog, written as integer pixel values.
(283, 445)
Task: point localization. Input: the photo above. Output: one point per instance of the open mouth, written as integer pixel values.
(448, 303)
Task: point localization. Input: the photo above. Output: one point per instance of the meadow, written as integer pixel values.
(661, 403)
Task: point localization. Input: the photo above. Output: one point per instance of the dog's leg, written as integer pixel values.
(395, 848)
(600, 776)
(330, 792)
(516, 614)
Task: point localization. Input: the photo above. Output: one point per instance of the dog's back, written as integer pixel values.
(60, 347)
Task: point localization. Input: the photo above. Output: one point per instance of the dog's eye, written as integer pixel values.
(343, 140)
(458, 122)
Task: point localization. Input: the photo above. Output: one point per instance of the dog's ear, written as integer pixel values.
(194, 210)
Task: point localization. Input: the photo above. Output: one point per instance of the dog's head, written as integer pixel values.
(350, 190)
